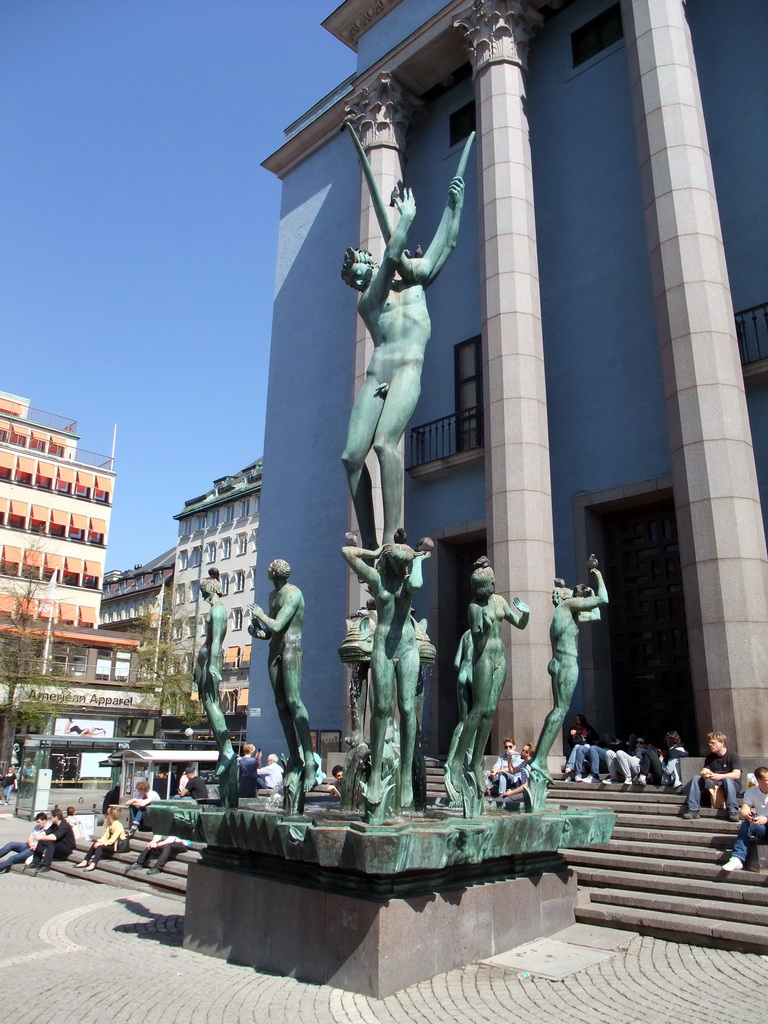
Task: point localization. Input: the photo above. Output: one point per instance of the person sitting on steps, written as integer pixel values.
(754, 820)
(106, 844)
(164, 848)
(722, 770)
(583, 739)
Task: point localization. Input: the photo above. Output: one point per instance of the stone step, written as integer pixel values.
(726, 888)
(678, 837)
(592, 858)
(667, 903)
(694, 930)
(601, 791)
(669, 851)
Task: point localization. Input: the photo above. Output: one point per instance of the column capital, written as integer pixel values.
(498, 31)
(381, 113)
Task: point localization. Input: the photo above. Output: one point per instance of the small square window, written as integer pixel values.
(461, 123)
(596, 35)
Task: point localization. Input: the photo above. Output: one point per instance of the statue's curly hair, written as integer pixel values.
(211, 585)
(280, 568)
(353, 256)
(483, 581)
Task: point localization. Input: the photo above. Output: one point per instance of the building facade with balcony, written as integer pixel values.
(596, 375)
(220, 529)
(130, 595)
(55, 507)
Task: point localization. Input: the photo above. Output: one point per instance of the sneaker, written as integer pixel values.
(734, 864)
(609, 781)
(691, 814)
(131, 867)
(571, 778)
(641, 780)
(733, 816)
(132, 831)
(577, 778)
(42, 869)
(154, 871)
(591, 778)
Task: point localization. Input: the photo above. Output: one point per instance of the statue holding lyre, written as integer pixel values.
(394, 309)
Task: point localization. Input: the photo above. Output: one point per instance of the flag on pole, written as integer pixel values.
(45, 608)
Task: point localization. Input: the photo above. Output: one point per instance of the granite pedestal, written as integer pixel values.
(371, 909)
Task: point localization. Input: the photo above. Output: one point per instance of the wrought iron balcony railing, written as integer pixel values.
(752, 332)
(459, 432)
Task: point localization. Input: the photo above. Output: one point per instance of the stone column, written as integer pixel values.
(722, 542)
(517, 476)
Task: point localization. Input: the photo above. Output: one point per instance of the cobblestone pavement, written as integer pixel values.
(72, 950)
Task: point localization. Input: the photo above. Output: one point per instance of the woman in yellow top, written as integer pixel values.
(106, 845)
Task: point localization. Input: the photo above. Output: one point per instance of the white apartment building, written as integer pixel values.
(220, 530)
(55, 507)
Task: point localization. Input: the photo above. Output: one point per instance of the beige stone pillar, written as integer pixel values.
(722, 542)
(517, 476)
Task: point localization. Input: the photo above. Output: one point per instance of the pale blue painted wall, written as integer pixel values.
(393, 28)
(605, 400)
(304, 498)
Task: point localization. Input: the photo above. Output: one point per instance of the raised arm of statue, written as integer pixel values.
(424, 271)
(517, 615)
(375, 295)
(415, 580)
(595, 600)
(354, 558)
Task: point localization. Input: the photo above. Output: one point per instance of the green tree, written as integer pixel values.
(22, 653)
(165, 661)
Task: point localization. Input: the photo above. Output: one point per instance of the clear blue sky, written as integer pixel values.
(138, 230)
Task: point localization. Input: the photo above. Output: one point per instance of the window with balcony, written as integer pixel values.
(462, 431)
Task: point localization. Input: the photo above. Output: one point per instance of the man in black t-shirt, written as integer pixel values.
(722, 769)
(57, 841)
(192, 786)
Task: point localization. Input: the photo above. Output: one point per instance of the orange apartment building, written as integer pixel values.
(55, 505)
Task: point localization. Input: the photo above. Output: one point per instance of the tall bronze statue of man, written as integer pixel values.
(282, 627)
(393, 307)
(573, 608)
